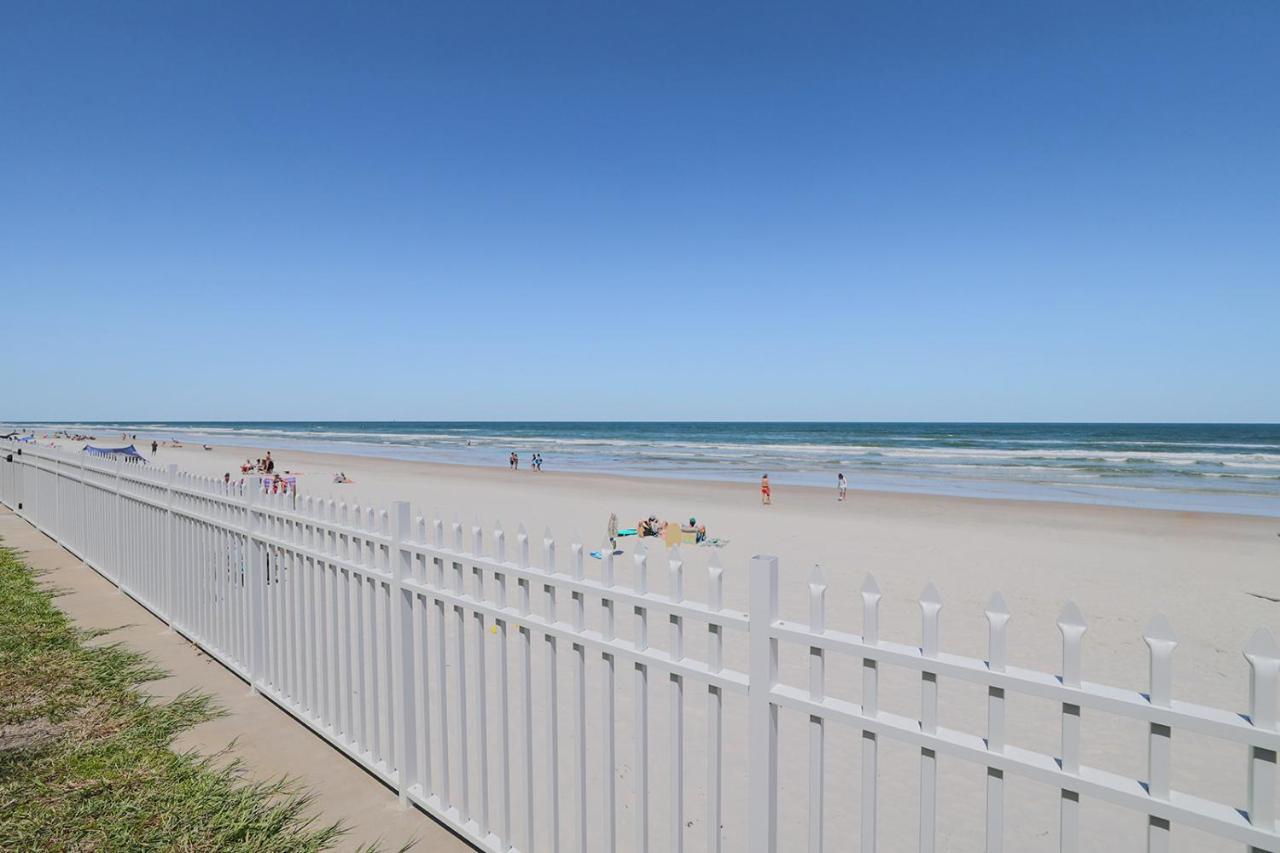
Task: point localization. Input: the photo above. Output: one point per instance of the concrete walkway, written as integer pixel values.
(269, 742)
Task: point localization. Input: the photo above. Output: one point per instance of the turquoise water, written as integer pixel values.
(1224, 467)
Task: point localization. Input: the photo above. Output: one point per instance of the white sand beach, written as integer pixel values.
(1214, 576)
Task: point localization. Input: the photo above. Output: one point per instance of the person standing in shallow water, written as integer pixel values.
(766, 494)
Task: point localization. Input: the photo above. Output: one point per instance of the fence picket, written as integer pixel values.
(997, 645)
(817, 693)
(715, 706)
(1071, 624)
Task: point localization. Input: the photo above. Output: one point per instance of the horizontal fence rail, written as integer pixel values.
(410, 642)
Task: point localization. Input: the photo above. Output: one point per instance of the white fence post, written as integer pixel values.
(762, 714)
(715, 705)
(168, 564)
(117, 553)
(257, 584)
(1264, 676)
(930, 607)
(401, 648)
(817, 693)
(997, 650)
(1071, 624)
(1161, 641)
(871, 708)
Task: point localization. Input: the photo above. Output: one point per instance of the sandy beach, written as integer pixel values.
(1213, 575)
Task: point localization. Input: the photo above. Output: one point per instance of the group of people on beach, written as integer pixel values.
(265, 465)
(535, 462)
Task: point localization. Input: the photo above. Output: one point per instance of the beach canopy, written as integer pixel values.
(127, 453)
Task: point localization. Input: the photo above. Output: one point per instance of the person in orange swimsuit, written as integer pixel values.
(766, 496)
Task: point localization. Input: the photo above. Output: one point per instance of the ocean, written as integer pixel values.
(1219, 467)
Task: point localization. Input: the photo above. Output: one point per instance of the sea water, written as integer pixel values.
(1221, 467)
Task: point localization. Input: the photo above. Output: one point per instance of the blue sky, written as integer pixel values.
(995, 211)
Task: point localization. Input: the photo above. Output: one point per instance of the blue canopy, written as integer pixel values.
(125, 452)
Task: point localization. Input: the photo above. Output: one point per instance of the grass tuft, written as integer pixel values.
(86, 758)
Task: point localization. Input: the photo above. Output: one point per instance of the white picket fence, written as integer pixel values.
(351, 619)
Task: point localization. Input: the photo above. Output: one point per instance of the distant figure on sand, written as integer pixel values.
(842, 487)
(153, 447)
(515, 461)
(766, 494)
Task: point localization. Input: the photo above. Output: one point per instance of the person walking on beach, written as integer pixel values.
(766, 494)
(153, 447)
(842, 487)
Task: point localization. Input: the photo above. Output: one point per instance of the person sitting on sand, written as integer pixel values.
(340, 477)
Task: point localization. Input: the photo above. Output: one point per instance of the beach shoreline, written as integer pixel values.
(1187, 477)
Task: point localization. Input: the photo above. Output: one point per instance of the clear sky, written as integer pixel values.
(954, 211)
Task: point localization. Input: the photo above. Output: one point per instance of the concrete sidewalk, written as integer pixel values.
(269, 742)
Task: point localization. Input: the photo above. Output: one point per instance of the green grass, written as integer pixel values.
(86, 761)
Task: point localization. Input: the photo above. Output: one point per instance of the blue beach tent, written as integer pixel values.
(128, 454)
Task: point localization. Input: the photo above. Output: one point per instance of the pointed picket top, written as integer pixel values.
(930, 606)
(522, 542)
(997, 632)
(1071, 624)
(817, 577)
(1071, 617)
(930, 599)
(817, 599)
(1161, 641)
(1261, 647)
(548, 551)
(1159, 631)
(1264, 674)
(870, 610)
(675, 566)
(641, 549)
(715, 582)
(577, 561)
